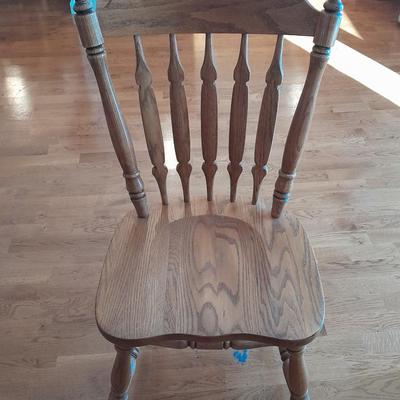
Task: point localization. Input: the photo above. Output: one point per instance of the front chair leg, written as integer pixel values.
(285, 362)
(122, 372)
(297, 374)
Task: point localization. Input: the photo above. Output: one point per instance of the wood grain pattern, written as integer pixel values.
(179, 117)
(210, 272)
(151, 119)
(296, 17)
(209, 116)
(238, 116)
(267, 119)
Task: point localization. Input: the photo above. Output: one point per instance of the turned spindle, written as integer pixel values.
(267, 119)
(179, 117)
(238, 116)
(209, 116)
(151, 119)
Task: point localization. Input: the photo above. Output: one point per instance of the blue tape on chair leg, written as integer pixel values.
(241, 356)
(72, 3)
(133, 365)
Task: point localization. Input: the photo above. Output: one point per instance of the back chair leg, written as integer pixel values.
(122, 372)
(296, 375)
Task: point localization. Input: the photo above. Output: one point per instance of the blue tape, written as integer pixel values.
(133, 365)
(241, 356)
(72, 3)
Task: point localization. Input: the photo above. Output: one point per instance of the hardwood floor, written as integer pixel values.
(62, 195)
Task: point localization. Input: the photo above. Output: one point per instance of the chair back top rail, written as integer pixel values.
(290, 17)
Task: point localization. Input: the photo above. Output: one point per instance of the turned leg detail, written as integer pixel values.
(285, 362)
(296, 373)
(122, 372)
(282, 190)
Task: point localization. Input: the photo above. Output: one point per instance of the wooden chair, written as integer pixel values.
(209, 274)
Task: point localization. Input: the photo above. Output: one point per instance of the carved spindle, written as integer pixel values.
(92, 40)
(151, 119)
(179, 117)
(238, 117)
(122, 372)
(267, 119)
(327, 29)
(209, 116)
(297, 374)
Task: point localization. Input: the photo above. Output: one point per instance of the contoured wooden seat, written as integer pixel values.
(214, 272)
(209, 274)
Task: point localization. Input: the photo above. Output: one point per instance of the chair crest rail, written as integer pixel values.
(290, 17)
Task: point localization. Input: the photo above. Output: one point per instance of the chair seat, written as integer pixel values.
(208, 271)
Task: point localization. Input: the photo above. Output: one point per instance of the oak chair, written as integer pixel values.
(209, 274)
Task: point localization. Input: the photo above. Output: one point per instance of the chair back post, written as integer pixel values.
(325, 35)
(151, 119)
(92, 40)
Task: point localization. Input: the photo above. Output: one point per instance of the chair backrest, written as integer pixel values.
(279, 17)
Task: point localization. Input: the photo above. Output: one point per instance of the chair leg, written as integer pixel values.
(296, 375)
(122, 372)
(285, 362)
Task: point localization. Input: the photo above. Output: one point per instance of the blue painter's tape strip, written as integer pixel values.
(72, 3)
(133, 365)
(241, 356)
